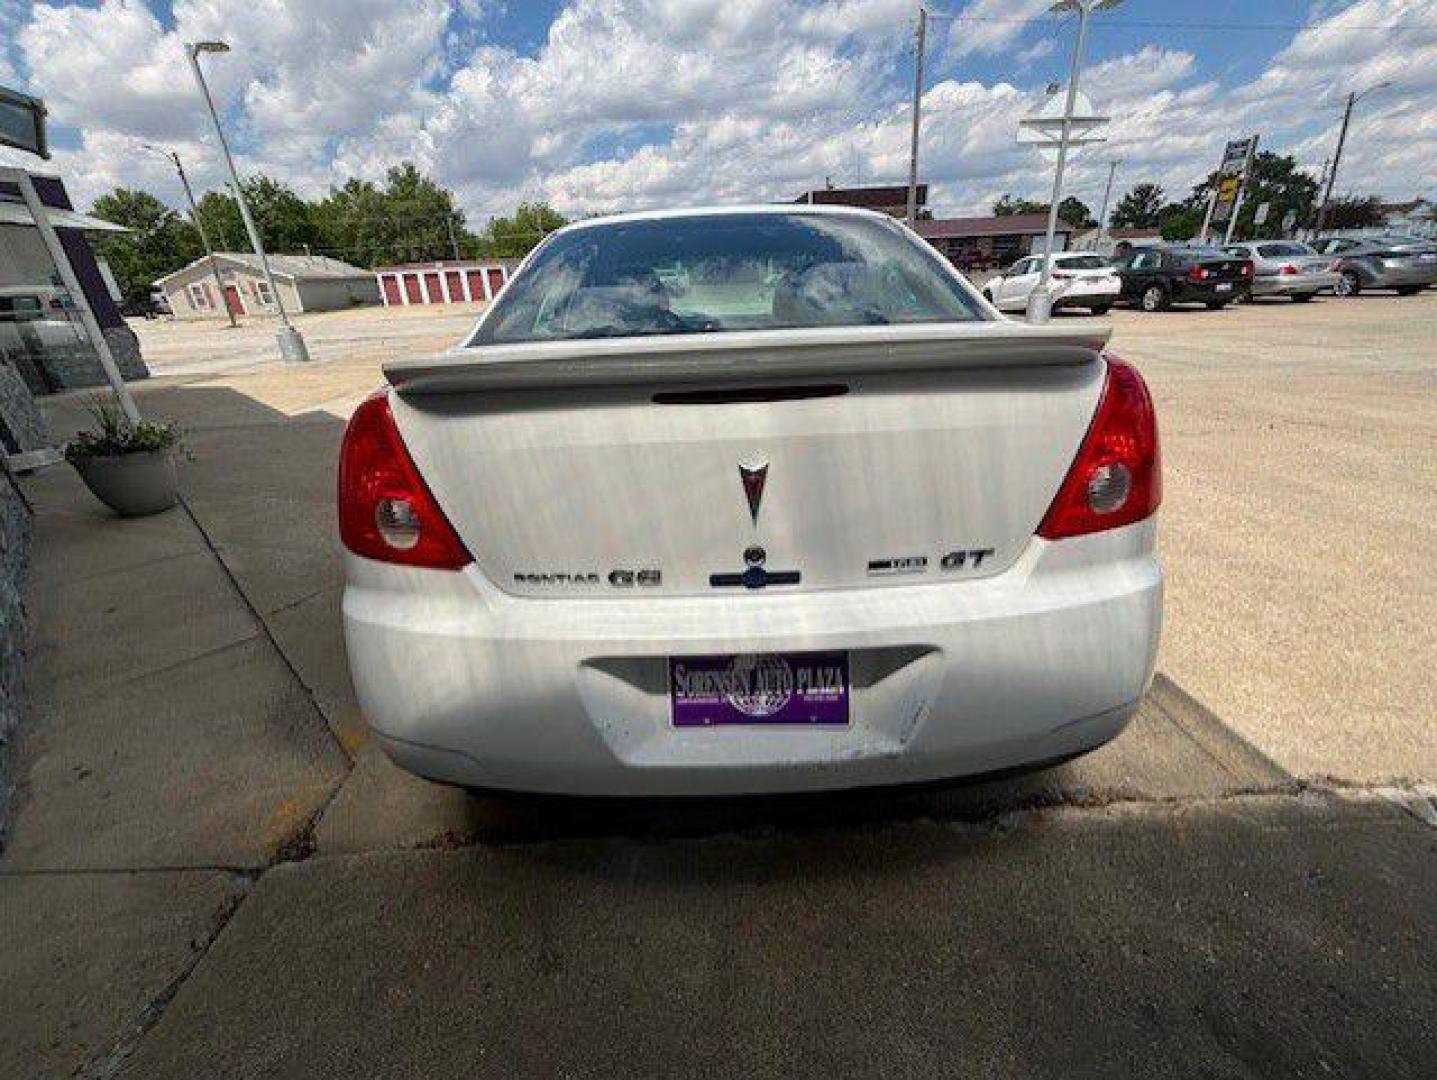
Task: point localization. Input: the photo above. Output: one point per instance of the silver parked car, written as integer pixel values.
(1382, 262)
(1287, 268)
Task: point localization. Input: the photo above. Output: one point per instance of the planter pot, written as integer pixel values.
(132, 484)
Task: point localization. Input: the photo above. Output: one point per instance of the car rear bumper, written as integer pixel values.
(1087, 296)
(466, 684)
(1293, 284)
(1191, 293)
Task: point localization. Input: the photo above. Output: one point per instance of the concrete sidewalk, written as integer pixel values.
(211, 863)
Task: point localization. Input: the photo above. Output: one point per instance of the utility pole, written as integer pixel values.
(291, 342)
(199, 227)
(920, 40)
(453, 240)
(1352, 99)
(1107, 194)
(1040, 302)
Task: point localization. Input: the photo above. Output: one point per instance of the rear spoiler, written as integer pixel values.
(747, 354)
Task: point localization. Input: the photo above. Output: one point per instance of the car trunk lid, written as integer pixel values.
(867, 456)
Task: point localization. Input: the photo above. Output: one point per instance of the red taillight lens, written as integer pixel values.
(386, 511)
(1247, 269)
(1197, 273)
(1287, 270)
(1116, 479)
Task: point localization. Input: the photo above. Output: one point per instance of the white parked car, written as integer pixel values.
(807, 516)
(1078, 279)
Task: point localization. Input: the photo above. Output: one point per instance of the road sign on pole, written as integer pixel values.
(1259, 216)
(1231, 175)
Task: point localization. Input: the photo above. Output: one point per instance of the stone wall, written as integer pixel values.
(22, 427)
(14, 553)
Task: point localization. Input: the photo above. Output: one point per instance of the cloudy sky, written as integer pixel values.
(616, 104)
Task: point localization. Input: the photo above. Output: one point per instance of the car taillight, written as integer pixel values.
(1334, 266)
(1287, 269)
(386, 511)
(1246, 270)
(1197, 273)
(1116, 478)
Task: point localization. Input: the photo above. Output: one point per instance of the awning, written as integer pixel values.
(14, 213)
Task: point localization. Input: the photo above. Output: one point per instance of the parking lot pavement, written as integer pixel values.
(1173, 899)
(1236, 940)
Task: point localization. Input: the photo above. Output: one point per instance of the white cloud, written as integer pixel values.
(991, 26)
(683, 101)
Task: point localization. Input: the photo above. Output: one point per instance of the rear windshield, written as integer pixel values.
(1270, 250)
(1188, 256)
(1082, 262)
(720, 272)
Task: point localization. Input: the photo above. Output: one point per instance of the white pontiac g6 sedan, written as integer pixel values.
(749, 500)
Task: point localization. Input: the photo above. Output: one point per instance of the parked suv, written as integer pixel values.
(1158, 277)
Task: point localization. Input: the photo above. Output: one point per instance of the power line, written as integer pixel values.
(1162, 24)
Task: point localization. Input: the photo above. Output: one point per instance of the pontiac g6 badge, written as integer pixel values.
(753, 477)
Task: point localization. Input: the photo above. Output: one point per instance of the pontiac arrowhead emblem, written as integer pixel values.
(753, 477)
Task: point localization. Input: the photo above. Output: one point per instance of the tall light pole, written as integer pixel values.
(920, 41)
(1107, 194)
(1352, 99)
(198, 224)
(1040, 303)
(291, 343)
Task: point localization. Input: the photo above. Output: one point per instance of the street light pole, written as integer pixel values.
(199, 226)
(920, 41)
(1107, 194)
(291, 342)
(1352, 99)
(1040, 303)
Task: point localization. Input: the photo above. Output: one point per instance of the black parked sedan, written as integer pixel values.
(1158, 277)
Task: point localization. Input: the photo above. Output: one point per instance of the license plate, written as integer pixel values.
(805, 689)
(1224, 286)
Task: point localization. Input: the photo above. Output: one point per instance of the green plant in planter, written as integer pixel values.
(130, 467)
(115, 435)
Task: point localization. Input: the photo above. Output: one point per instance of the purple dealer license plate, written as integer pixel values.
(772, 688)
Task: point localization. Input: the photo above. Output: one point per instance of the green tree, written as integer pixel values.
(356, 224)
(428, 224)
(1140, 208)
(159, 240)
(284, 219)
(514, 237)
(1076, 213)
(1072, 210)
(1008, 205)
(1181, 221)
(1275, 179)
(221, 217)
(1355, 212)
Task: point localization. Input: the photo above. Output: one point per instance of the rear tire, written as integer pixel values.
(1348, 284)
(1155, 298)
(1101, 309)
(1216, 305)
(1409, 290)
(1302, 297)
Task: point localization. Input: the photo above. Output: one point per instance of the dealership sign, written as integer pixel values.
(1231, 174)
(22, 122)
